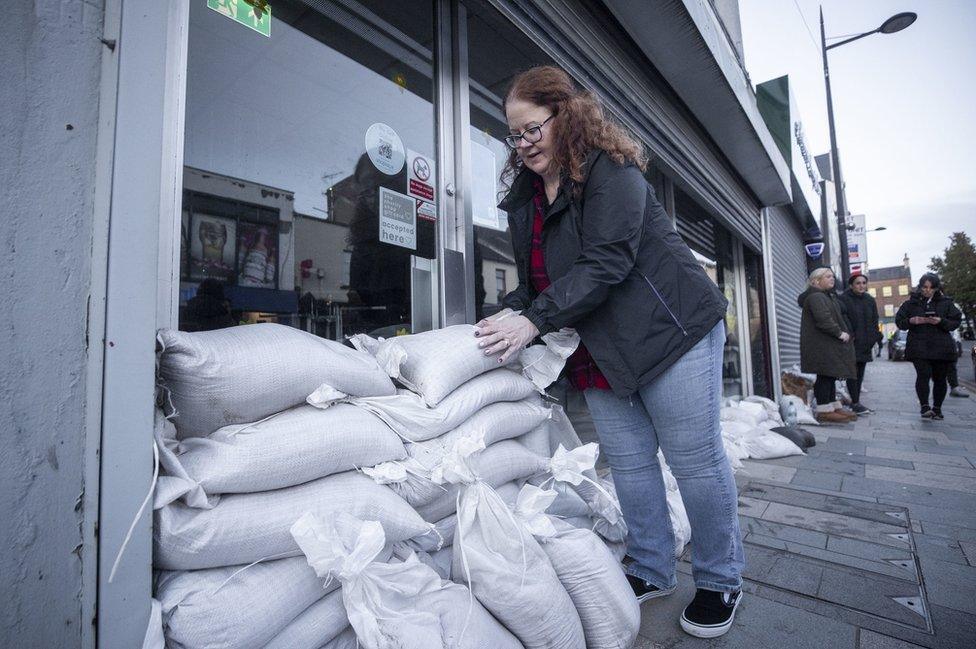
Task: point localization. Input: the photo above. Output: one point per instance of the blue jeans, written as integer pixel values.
(678, 411)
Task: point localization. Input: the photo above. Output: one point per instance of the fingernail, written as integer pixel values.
(499, 360)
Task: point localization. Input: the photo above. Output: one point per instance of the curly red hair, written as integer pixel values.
(580, 124)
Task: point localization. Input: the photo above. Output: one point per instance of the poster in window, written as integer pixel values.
(212, 241)
(257, 255)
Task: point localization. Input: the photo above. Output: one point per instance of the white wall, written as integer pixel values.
(49, 93)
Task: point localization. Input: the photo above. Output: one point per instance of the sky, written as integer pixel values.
(904, 107)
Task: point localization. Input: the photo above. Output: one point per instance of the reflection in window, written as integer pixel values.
(903, 289)
(282, 202)
(886, 291)
(889, 310)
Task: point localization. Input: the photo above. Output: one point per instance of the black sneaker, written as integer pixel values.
(710, 614)
(644, 591)
(926, 412)
(937, 413)
(860, 410)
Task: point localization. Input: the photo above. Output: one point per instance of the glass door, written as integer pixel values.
(310, 167)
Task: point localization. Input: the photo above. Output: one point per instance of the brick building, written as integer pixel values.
(890, 287)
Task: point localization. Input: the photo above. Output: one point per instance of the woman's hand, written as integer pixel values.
(509, 336)
(844, 337)
(917, 320)
(500, 314)
(934, 319)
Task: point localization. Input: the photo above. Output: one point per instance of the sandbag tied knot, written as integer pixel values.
(571, 467)
(340, 548)
(396, 471)
(325, 396)
(454, 467)
(530, 509)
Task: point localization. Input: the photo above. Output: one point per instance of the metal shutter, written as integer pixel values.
(789, 280)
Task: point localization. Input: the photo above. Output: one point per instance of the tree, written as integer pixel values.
(957, 269)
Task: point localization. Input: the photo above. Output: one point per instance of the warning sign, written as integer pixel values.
(420, 176)
(398, 219)
(426, 211)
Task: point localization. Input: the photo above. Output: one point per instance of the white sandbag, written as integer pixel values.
(504, 566)
(804, 414)
(757, 410)
(407, 414)
(733, 413)
(680, 524)
(766, 445)
(536, 440)
(154, 637)
(242, 528)
(576, 468)
(345, 640)
(394, 605)
(235, 607)
(243, 374)
(595, 581)
(290, 448)
(439, 561)
(410, 479)
(316, 625)
(499, 463)
(442, 536)
(736, 428)
(772, 409)
(433, 363)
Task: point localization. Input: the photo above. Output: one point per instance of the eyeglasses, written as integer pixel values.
(530, 135)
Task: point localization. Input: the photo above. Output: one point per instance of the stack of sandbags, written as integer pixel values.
(242, 458)
(747, 431)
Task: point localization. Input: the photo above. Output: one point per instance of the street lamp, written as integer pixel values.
(894, 24)
(852, 227)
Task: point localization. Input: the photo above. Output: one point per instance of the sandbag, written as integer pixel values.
(242, 528)
(410, 479)
(290, 448)
(407, 414)
(394, 605)
(503, 565)
(804, 414)
(433, 363)
(230, 607)
(802, 438)
(319, 623)
(238, 375)
(499, 463)
(594, 580)
(767, 445)
(732, 413)
(345, 640)
(439, 561)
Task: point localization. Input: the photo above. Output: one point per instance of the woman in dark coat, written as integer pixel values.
(862, 314)
(929, 315)
(596, 251)
(825, 344)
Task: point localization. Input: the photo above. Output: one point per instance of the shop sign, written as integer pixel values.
(385, 149)
(420, 176)
(857, 240)
(255, 14)
(398, 219)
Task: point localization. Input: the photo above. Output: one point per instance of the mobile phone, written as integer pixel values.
(931, 314)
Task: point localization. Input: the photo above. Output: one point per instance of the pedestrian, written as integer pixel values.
(929, 316)
(952, 378)
(826, 347)
(862, 315)
(209, 309)
(596, 251)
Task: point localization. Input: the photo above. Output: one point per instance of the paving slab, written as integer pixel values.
(950, 585)
(871, 640)
(819, 479)
(922, 479)
(918, 456)
(969, 549)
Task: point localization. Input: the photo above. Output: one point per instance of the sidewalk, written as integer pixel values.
(867, 542)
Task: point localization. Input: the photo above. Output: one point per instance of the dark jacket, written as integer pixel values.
(621, 276)
(821, 350)
(926, 341)
(862, 315)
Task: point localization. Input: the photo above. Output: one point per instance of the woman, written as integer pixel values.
(929, 316)
(596, 251)
(862, 314)
(825, 345)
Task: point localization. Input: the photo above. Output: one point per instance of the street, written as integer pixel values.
(867, 542)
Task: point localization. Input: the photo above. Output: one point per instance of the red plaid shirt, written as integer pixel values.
(581, 368)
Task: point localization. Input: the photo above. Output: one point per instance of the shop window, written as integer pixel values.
(903, 289)
(300, 150)
(758, 332)
(873, 292)
(889, 310)
(886, 291)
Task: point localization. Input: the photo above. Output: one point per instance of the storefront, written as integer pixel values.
(335, 166)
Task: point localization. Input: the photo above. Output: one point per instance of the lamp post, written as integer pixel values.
(894, 24)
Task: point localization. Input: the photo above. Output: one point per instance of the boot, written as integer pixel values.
(833, 417)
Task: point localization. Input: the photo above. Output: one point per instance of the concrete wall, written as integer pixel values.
(49, 97)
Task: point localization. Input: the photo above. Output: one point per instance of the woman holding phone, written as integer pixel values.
(929, 315)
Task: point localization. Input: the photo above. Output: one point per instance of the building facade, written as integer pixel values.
(890, 287)
(334, 166)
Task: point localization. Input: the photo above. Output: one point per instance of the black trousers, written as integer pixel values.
(936, 372)
(854, 385)
(825, 389)
(953, 375)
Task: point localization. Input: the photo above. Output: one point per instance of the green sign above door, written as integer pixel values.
(255, 14)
